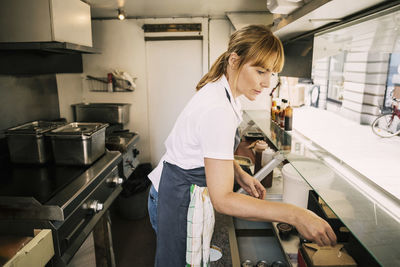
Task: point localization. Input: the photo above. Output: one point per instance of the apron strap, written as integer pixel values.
(237, 136)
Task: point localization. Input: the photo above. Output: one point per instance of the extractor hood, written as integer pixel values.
(46, 25)
(242, 19)
(53, 47)
(316, 14)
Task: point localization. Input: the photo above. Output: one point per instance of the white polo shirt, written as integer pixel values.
(205, 129)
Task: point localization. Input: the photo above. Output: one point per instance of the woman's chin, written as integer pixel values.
(251, 97)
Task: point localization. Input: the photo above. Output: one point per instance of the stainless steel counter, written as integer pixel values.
(370, 214)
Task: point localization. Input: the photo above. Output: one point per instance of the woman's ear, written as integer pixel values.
(233, 60)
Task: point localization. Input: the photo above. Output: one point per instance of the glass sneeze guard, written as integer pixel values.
(371, 215)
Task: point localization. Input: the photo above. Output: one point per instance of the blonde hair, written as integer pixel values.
(254, 43)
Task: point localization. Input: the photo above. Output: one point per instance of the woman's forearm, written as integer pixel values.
(250, 208)
(239, 205)
(219, 175)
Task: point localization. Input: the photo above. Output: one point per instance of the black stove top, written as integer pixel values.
(40, 182)
(43, 182)
(49, 191)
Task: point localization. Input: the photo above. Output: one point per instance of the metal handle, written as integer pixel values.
(114, 181)
(93, 206)
(264, 171)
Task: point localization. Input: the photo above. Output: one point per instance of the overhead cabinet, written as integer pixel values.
(44, 36)
(27, 21)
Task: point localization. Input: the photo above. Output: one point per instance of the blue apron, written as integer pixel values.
(173, 203)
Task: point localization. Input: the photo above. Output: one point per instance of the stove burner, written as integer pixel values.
(124, 142)
(120, 141)
(114, 128)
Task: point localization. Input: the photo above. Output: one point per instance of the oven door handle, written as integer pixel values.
(80, 238)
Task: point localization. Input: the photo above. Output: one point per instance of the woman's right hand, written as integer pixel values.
(314, 228)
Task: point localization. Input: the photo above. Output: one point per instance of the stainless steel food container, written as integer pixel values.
(78, 143)
(27, 142)
(102, 112)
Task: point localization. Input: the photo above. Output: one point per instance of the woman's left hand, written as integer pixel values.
(251, 185)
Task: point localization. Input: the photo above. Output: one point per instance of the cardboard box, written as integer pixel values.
(328, 256)
(329, 213)
(37, 252)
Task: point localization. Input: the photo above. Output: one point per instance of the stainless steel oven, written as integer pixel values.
(70, 200)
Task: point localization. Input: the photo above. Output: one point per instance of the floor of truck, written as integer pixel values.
(134, 241)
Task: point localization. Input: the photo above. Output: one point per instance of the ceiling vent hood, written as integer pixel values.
(46, 25)
(242, 19)
(316, 14)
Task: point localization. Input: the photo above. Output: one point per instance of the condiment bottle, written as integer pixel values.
(259, 147)
(273, 107)
(267, 156)
(277, 114)
(288, 118)
(109, 82)
(282, 114)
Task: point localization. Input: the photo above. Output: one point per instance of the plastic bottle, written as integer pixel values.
(110, 87)
(282, 114)
(273, 107)
(266, 157)
(259, 148)
(277, 114)
(288, 118)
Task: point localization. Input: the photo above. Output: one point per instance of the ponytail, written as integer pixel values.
(254, 43)
(216, 71)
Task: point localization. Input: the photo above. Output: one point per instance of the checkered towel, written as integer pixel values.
(200, 227)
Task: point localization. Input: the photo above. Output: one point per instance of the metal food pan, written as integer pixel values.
(78, 148)
(27, 143)
(102, 112)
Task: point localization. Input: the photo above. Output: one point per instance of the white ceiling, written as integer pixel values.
(173, 8)
(310, 16)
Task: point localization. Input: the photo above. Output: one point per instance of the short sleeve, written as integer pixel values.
(217, 128)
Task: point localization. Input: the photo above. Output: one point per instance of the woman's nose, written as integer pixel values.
(265, 82)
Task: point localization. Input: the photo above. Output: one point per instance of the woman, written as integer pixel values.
(200, 147)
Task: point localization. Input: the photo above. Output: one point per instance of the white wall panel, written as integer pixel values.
(356, 97)
(172, 80)
(367, 57)
(362, 77)
(378, 67)
(373, 100)
(365, 88)
(122, 47)
(375, 89)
